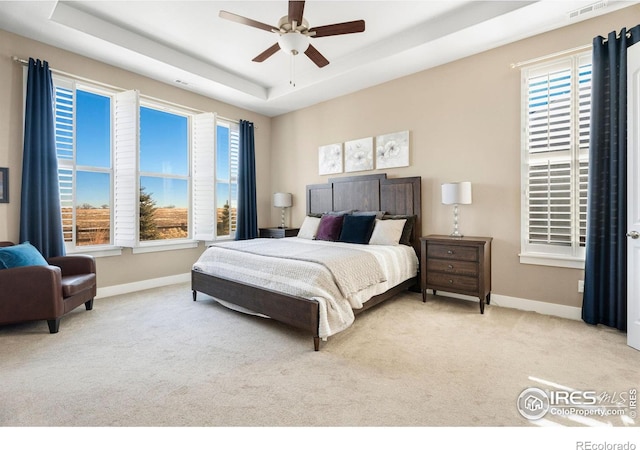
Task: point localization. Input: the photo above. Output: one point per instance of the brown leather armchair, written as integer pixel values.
(47, 292)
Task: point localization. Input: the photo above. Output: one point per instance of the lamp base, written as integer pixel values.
(456, 232)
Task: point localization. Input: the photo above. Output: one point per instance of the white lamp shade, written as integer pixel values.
(456, 193)
(282, 200)
(293, 43)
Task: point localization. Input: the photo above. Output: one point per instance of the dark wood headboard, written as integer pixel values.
(373, 192)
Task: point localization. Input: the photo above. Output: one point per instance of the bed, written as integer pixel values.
(304, 307)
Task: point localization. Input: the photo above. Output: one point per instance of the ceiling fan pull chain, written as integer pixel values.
(292, 75)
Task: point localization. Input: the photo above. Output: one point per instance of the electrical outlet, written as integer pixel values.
(580, 285)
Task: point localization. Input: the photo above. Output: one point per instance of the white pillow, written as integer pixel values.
(309, 228)
(387, 232)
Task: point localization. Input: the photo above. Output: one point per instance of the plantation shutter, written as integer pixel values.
(549, 149)
(556, 147)
(234, 157)
(584, 125)
(126, 183)
(64, 117)
(203, 176)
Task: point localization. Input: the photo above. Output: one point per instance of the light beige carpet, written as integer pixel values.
(156, 358)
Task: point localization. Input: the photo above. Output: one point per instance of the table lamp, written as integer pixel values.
(455, 194)
(282, 200)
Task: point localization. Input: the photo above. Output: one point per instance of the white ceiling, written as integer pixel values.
(187, 41)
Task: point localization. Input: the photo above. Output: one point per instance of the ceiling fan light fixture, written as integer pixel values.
(293, 43)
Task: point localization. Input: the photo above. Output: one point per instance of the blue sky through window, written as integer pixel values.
(93, 148)
(164, 141)
(166, 192)
(93, 129)
(92, 188)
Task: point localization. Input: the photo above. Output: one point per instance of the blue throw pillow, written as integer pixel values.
(21, 255)
(357, 229)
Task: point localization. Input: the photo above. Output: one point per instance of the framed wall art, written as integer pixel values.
(330, 159)
(4, 185)
(392, 150)
(358, 155)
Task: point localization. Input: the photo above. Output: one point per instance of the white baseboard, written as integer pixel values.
(120, 289)
(549, 309)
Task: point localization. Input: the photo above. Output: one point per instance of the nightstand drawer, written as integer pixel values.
(453, 267)
(446, 282)
(457, 252)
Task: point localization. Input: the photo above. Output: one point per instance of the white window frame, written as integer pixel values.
(70, 165)
(576, 156)
(170, 109)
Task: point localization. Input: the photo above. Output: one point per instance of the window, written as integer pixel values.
(135, 172)
(555, 151)
(83, 146)
(164, 175)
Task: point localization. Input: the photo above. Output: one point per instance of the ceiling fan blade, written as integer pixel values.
(357, 26)
(265, 54)
(246, 21)
(315, 56)
(296, 10)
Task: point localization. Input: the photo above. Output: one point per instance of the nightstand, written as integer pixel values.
(459, 265)
(278, 232)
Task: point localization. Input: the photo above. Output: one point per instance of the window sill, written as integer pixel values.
(98, 252)
(552, 260)
(164, 246)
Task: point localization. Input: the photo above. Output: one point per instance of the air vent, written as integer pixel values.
(587, 10)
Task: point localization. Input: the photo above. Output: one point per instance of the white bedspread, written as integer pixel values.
(309, 279)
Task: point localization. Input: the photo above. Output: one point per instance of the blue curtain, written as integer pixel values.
(247, 224)
(605, 282)
(40, 216)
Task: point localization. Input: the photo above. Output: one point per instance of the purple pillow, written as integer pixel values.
(329, 228)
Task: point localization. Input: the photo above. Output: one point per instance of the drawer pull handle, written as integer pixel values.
(449, 252)
(450, 281)
(450, 266)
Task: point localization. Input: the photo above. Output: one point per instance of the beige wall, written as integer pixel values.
(127, 268)
(464, 123)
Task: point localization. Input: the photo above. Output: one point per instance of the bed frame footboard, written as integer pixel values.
(298, 312)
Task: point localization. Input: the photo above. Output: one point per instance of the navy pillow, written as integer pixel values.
(329, 227)
(357, 229)
(21, 255)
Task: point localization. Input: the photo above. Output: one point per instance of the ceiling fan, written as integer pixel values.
(294, 33)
